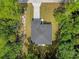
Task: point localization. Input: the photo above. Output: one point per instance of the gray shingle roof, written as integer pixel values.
(41, 33)
(22, 1)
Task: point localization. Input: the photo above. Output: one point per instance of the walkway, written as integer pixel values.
(25, 41)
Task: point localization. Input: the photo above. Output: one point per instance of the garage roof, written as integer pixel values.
(41, 33)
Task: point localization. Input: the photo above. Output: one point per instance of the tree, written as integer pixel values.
(10, 43)
(68, 21)
(9, 9)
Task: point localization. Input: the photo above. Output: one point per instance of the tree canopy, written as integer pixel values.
(68, 36)
(10, 43)
(9, 9)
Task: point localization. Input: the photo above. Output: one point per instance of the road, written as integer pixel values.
(44, 1)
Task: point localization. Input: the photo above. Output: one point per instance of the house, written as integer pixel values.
(41, 32)
(22, 1)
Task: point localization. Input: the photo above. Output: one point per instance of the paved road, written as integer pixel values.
(44, 1)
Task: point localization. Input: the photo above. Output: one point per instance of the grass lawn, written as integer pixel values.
(47, 15)
(29, 17)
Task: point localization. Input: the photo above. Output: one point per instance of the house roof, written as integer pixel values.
(22, 1)
(41, 33)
